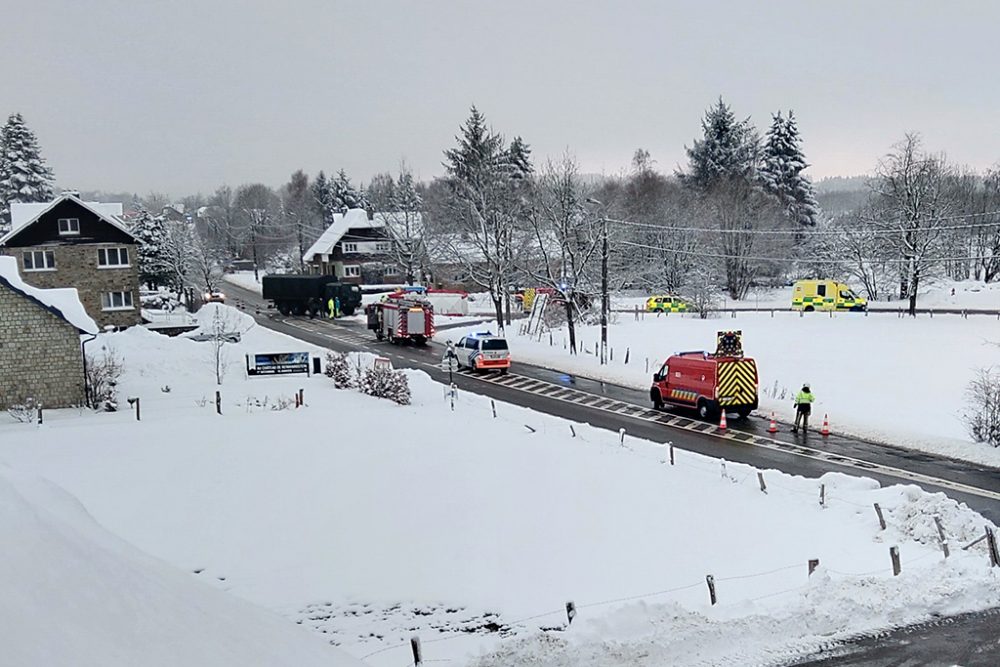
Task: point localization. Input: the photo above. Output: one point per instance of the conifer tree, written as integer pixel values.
(781, 171)
(519, 158)
(728, 149)
(153, 248)
(24, 176)
(321, 196)
(344, 195)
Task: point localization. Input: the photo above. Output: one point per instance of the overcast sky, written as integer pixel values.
(183, 96)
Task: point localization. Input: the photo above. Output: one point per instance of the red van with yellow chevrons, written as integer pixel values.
(708, 383)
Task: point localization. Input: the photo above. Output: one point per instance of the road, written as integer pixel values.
(614, 407)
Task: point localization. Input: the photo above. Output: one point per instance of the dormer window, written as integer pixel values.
(350, 247)
(69, 226)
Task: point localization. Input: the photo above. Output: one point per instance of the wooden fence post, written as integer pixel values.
(218, 402)
(881, 519)
(418, 658)
(671, 453)
(944, 541)
(894, 555)
(991, 543)
(760, 478)
(570, 612)
(813, 564)
(822, 495)
(710, 580)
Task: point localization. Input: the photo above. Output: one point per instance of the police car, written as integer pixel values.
(483, 352)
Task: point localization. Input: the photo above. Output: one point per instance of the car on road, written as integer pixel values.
(483, 352)
(214, 297)
(666, 304)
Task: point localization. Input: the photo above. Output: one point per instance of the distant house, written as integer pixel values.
(41, 356)
(356, 249)
(72, 243)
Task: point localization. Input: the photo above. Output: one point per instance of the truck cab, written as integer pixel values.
(483, 352)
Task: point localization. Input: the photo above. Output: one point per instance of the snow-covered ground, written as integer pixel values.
(371, 522)
(245, 279)
(970, 294)
(899, 380)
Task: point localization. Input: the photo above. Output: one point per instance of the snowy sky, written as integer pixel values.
(183, 96)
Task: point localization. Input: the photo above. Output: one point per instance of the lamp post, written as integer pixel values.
(604, 282)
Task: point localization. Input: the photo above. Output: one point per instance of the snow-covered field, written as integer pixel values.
(898, 380)
(970, 294)
(369, 522)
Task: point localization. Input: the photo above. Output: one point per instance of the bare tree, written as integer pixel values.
(911, 196)
(401, 206)
(567, 239)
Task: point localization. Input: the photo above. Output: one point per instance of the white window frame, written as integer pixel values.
(70, 224)
(105, 253)
(390, 271)
(46, 256)
(352, 271)
(124, 301)
(383, 246)
(349, 247)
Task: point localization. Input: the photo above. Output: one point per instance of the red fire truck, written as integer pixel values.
(401, 319)
(709, 382)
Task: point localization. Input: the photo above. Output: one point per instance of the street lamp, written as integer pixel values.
(604, 282)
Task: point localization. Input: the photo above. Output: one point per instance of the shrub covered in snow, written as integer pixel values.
(103, 373)
(982, 416)
(339, 370)
(24, 411)
(386, 383)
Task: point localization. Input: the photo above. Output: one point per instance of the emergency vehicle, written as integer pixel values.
(709, 382)
(666, 304)
(810, 295)
(483, 352)
(401, 319)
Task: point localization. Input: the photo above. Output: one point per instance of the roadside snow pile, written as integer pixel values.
(245, 280)
(73, 594)
(898, 380)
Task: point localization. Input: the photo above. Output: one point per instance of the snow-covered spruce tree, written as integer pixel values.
(24, 176)
(153, 260)
(339, 370)
(320, 190)
(386, 383)
(728, 149)
(782, 163)
(344, 195)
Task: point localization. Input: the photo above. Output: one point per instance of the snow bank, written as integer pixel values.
(370, 522)
(76, 595)
(245, 280)
(898, 380)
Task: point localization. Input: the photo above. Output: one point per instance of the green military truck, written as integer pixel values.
(296, 294)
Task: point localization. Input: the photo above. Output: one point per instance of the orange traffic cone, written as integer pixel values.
(722, 421)
(773, 426)
(826, 426)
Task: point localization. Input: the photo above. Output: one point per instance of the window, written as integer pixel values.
(39, 260)
(494, 344)
(821, 289)
(352, 271)
(382, 247)
(116, 301)
(390, 271)
(349, 247)
(69, 226)
(112, 257)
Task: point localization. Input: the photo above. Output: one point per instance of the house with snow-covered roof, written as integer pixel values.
(357, 248)
(72, 243)
(41, 350)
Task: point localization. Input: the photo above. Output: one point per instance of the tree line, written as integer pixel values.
(741, 213)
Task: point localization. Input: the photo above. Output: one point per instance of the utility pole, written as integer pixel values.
(256, 216)
(605, 301)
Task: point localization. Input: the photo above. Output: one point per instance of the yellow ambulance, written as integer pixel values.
(810, 295)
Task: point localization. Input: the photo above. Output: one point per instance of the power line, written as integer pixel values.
(789, 259)
(808, 232)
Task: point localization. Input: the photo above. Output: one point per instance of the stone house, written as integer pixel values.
(72, 243)
(356, 248)
(41, 354)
